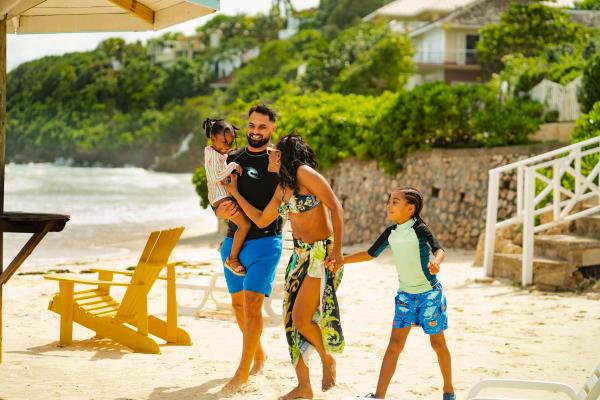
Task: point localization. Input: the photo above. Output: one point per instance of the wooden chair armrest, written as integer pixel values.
(113, 270)
(121, 272)
(77, 279)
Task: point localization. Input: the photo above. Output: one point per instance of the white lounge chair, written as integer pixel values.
(275, 310)
(216, 289)
(590, 391)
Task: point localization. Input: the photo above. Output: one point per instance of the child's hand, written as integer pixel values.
(335, 261)
(231, 183)
(434, 267)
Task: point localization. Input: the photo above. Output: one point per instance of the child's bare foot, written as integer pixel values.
(328, 374)
(234, 265)
(299, 392)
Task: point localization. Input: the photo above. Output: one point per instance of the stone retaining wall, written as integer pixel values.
(454, 183)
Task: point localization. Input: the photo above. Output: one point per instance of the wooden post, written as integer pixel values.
(2, 145)
(490, 222)
(528, 227)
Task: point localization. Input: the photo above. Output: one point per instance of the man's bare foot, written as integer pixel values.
(258, 363)
(328, 374)
(235, 384)
(299, 392)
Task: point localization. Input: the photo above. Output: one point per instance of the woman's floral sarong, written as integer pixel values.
(309, 259)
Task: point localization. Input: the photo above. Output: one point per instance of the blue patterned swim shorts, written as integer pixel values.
(427, 310)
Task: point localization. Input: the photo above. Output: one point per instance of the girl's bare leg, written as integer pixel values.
(438, 343)
(243, 224)
(390, 360)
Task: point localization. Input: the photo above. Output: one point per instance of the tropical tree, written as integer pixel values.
(589, 5)
(339, 14)
(530, 29)
(589, 91)
(365, 59)
(186, 78)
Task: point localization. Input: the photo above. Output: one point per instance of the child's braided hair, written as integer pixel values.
(216, 126)
(414, 197)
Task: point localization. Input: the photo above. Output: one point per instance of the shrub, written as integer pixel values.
(199, 180)
(589, 91)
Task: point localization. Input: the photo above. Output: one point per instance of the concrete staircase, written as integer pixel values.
(557, 257)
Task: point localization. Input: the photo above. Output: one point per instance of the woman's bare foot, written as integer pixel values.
(258, 363)
(328, 374)
(299, 392)
(235, 384)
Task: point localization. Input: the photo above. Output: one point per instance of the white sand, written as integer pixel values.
(496, 330)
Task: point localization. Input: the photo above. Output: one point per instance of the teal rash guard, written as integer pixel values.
(411, 244)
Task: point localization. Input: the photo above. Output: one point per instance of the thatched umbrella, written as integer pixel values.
(59, 16)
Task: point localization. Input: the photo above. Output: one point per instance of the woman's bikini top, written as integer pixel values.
(298, 203)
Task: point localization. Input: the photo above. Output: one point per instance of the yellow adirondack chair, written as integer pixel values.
(97, 310)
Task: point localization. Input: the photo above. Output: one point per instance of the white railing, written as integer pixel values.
(549, 170)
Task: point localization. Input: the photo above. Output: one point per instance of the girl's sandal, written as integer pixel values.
(235, 267)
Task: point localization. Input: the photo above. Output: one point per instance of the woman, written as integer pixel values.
(313, 273)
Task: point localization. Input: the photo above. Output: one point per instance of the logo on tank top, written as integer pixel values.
(252, 173)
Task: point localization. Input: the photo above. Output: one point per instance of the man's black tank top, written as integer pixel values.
(257, 185)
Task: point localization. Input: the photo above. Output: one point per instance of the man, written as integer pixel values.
(262, 248)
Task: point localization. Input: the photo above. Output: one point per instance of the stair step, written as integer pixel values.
(548, 274)
(576, 250)
(588, 226)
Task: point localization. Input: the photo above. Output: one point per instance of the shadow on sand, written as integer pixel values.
(196, 392)
(104, 348)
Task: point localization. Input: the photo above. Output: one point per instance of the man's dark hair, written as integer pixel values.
(264, 110)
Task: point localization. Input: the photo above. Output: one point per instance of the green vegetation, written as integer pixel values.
(589, 5)
(589, 93)
(529, 30)
(364, 59)
(335, 15)
(587, 127)
(339, 82)
(387, 127)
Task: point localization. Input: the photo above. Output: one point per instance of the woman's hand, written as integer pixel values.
(335, 261)
(231, 184)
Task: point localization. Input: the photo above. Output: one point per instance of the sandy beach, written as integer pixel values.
(496, 330)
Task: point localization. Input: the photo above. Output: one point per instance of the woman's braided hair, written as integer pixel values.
(295, 152)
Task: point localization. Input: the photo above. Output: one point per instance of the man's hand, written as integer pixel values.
(227, 210)
(434, 267)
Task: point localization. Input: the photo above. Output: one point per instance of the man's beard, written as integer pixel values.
(257, 143)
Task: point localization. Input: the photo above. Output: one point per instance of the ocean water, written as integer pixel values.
(112, 210)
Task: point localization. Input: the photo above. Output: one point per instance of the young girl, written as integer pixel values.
(222, 134)
(420, 300)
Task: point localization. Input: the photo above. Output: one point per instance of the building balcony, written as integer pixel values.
(454, 57)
